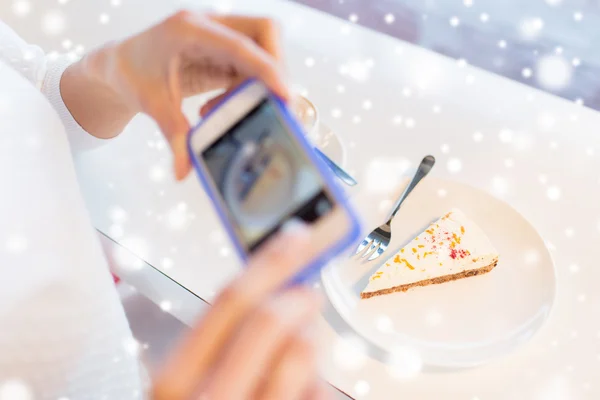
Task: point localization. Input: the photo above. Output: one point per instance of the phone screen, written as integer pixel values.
(264, 177)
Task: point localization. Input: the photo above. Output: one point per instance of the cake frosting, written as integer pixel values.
(453, 247)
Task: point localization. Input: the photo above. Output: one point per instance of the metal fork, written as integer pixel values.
(378, 240)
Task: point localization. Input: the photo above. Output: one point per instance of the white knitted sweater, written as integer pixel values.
(63, 332)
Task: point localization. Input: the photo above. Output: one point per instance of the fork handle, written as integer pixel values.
(424, 168)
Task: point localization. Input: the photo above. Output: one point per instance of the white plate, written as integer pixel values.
(455, 324)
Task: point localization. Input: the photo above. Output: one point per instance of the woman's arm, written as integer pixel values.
(98, 108)
(153, 71)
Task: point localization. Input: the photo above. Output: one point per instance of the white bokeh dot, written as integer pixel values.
(53, 23)
(468, 3)
(345, 29)
(454, 21)
(336, 113)
(397, 120)
(15, 389)
(442, 192)
(389, 18)
(478, 136)
(526, 72)
(104, 18)
(502, 44)
(574, 268)
(21, 7)
(553, 2)
(531, 257)
(117, 214)
(131, 346)
(217, 236)
(353, 17)
(382, 172)
(132, 253)
(409, 123)
(499, 186)
(384, 324)
(166, 263)
(444, 148)
(437, 109)
(115, 3)
(362, 388)
(349, 353)
(340, 88)
(404, 363)
(530, 28)
(546, 121)
(166, 305)
(356, 119)
(16, 244)
(309, 62)
(157, 173)
(578, 16)
(454, 165)
(484, 17)
(367, 104)
(385, 205)
(506, 135)
(116, 231)
(225, 251)
(553, 193)
(523, 141)
(553, 72)
(569, 232)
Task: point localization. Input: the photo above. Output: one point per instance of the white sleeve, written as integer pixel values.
(45, 73)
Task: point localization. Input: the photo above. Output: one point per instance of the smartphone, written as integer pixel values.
(260, 171)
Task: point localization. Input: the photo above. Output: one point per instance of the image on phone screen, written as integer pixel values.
(264, 177)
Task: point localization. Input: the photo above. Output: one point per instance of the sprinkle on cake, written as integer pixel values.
(453, 247)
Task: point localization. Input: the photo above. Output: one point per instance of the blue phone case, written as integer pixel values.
(316, 264)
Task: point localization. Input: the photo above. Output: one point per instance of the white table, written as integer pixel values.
(539, 153)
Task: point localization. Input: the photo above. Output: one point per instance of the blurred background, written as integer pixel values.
(553, 45)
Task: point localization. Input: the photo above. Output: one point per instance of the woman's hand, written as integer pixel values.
(252, 344)
(153, 71)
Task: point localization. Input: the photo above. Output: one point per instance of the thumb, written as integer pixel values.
(175, 128)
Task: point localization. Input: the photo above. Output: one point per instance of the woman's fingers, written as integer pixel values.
(319, 390)
(269, 270)
(210, 104)
(292, 371)
(174, 126)
(246, 55)
(263, 31)
(269, 333)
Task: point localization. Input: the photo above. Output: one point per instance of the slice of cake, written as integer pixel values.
(453, 247)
